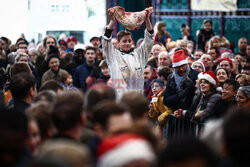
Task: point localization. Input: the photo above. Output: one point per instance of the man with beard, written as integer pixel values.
(180, 86)
(84, 70)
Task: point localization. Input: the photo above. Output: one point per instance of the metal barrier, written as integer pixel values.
(179, 127)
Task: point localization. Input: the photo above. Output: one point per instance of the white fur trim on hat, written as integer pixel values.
(198, 61)
(128, 151)
(207, 77)
(179, 63)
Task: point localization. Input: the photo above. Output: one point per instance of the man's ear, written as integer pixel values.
(98, 130)
(83, 119)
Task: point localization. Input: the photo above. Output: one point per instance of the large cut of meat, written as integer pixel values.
(130, 20)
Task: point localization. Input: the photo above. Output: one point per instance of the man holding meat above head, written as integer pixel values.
(126, 64)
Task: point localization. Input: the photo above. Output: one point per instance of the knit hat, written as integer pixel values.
(201, 62)
(179, 58)
(209, 76)
(52, 56)
(79, 46)
(62, 42)
(158, 81)
(120, 149)
(71, 38)
(227, 59)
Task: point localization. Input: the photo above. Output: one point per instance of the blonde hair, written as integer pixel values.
(75, 154)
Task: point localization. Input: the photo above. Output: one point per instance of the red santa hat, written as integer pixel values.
(118, 150)
(226, 59)
(179, 58)
(201, 62)
(209, 76)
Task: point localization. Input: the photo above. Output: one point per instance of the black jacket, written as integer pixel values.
(175, 99)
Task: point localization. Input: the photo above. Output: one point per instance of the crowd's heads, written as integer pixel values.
(243, 96)
(236, 136)
(51, 85)
(179, 58)
(164, 59)
(207, 25)
(161, 26)
(19, 68)
(187, 152)
(13, 130)
(71, 42)
(68, 152)
(199, 66)
(157, 85)
(125, 150)
(222, 75)
(41, 112)
(137, 109)
(49, 41)
(209, 76)
(109, 117)
(125, 40)
(68, 111)
(23, 85)
(148, 72)
(229, 90)
(96, 94)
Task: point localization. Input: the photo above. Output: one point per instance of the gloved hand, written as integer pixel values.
(188, 83)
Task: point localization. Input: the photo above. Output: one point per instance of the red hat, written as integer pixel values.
(209, 76)
(117, 150)
(201, 62)
(71, 38)
(179, 58)
(227, 59)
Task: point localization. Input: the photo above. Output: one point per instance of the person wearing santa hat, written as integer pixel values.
(204, 101)
(125, 149)
(199, 65)
(180, 86)
(228, 65)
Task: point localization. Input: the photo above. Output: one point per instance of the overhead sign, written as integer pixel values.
(216, 5)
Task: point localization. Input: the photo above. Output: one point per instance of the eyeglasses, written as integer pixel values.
(200, 67)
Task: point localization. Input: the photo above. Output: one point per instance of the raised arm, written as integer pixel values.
(147, 19)
(111, 24)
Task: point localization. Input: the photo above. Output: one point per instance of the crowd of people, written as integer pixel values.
(106, 103)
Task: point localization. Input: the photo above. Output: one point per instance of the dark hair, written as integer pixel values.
(212, 86)
(67, 110)
(45, 40)
(13, 128)
(98, 93)
(41, 112)
(220, 69)
(21, 84)
(136, 103)
(45, 95)
(104, 110)
(123, 33)
(90, 48)
(21, 42)
(208, 21)
(51, 85)
(165, 72)
(236, 127)
(65, 76)
(216, 50)
(234, 83)
(185, 149)
(150, 68)
(19, 68)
